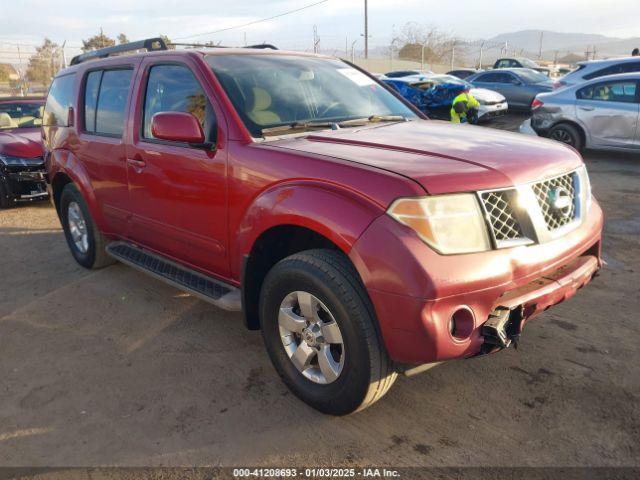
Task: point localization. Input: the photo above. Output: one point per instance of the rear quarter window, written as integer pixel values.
(60, 98)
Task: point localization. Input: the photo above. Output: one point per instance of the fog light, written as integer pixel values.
(461, 323)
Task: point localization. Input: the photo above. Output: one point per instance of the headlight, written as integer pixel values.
(448, 223)
(585, 184)
(20, 162)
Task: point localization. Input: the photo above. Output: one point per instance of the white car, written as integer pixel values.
(492, 103)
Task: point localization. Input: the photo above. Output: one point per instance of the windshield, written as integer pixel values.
(271, 91)
(20, 115)
(531, 76)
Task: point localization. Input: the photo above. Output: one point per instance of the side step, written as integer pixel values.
(202, 286)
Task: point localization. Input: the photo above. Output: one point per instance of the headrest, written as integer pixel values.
(261, 99)
(6, 121)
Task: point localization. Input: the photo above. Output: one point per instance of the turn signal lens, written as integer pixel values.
(449, 224)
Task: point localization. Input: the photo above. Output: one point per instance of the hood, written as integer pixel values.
(488, 96)
(442, 157)
(24, 143)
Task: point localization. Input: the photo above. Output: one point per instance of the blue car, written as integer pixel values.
(433, 94)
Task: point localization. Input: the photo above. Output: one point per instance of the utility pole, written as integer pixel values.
(594, 52)
(481, 52)
(540, 51)
(64, 57)
(316, 39)
(366, 30)
(353, 51)
(453, 54)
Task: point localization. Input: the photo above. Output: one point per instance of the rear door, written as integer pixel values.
(178, 191)
(105, 99)
(610, 111)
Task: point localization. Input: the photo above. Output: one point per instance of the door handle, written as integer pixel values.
(587, 109)
(137, 163)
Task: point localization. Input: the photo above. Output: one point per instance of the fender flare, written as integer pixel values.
(68, 164)
(336, 213)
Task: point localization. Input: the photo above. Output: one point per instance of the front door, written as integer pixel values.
(177, 191)
(609, 110)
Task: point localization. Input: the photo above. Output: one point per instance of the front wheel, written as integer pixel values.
(319, 329)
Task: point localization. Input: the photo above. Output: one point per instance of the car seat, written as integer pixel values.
(259, 102)
(6, 121)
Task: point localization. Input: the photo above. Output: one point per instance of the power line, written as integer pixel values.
(251, 23)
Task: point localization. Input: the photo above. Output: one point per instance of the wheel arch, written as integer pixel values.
(66, 168)
(290, 219)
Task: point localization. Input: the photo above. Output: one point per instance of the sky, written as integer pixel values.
(337, 21)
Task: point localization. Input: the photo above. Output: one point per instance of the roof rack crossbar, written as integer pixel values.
(150, 44)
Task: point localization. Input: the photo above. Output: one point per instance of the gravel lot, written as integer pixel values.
(115, 368)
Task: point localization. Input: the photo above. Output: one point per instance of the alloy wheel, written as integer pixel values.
(78, 227)
(311, 337)
(562, 136)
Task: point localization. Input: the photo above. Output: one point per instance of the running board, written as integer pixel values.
(209, 289)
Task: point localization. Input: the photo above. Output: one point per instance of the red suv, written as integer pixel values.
(363, 239)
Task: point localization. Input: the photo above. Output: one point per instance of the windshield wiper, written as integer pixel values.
(373, 119)
(298, 126)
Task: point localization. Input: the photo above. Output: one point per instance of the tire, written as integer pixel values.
(5, 201)
(366, 373)
(567, 134)
(92, 255)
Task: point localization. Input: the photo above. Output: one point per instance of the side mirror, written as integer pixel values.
(177, 127)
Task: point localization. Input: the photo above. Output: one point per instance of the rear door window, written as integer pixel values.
(488, 77)
(60, 98)
(614, 91)
(112, 102)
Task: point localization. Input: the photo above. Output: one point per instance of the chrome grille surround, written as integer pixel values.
(500, 215)
(525, 214)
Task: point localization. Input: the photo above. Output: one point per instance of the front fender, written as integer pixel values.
(337, 214)
(63, 162)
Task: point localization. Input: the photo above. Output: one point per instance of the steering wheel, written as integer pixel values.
(330, 107)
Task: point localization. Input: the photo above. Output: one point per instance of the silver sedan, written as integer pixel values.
(603, 113)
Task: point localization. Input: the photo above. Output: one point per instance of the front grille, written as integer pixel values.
(555, 218)
(504, 224)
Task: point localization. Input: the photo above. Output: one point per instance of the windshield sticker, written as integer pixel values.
(356, 77)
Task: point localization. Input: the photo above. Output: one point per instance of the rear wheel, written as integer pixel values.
(85, 241)
(567, 134)
(319, 329)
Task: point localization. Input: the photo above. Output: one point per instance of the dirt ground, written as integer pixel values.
(114, 368)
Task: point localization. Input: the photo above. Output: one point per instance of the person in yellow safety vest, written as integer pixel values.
(464, 108)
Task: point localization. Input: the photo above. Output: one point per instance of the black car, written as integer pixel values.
(22, 173)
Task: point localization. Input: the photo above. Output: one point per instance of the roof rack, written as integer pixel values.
(210, 45)
(150, 44)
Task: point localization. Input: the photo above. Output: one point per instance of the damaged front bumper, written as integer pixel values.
(24, 184)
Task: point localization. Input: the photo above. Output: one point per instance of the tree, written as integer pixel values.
(122, 39)
(437, 45)
(43, 64)
(97, 41)
(5, 71)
